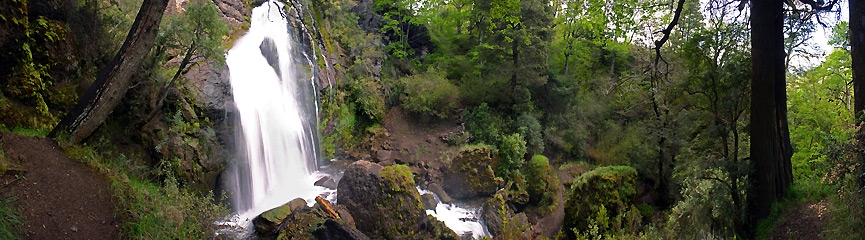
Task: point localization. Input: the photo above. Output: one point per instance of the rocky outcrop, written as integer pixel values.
(386, 204)
(503, 222)
(335, 230)
(471, 175)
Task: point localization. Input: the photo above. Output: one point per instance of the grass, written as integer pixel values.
(11, 224)
(150, 209)
(30, 132)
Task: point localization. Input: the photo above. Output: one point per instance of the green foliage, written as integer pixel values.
(529, 126)
(198, 31)
(542, 184)
(819, 114)
(430, 94)
(11, 224)
(847, 209)
(602, 198)
(512, 151)
(484, 125)
(367, 98)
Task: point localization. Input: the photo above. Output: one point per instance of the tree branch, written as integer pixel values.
(658, 44)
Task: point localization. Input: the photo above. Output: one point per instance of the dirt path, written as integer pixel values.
(59, 198)
(551, 224)
(804, 222)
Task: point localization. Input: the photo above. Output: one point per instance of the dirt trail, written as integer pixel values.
(59, 198)
(552, 223)
(804, 222)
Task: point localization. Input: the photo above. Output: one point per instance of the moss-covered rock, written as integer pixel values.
(385, 203)
(599, 197)
(503, 222)
(267, 221)
(471, 174)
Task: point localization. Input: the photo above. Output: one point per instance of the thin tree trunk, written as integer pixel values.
(163, 92)
(113, 81)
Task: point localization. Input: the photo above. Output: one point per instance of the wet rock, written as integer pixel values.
(326, 182)
(471, 175)
(437, 189)
(429, 201)
(268, 221)
(335, 230)
(385, 203)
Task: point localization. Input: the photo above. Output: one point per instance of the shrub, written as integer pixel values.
(430, 94)
(531, 129)
(366, 94)
(512, 151)
(543, 183)
(484, 125)
(600, 198)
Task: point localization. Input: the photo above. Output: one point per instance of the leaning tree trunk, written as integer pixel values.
(857, 54)
(770, 142)
(113, 80)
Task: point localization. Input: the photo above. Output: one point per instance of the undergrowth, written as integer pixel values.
(10, 220)
(150, 209)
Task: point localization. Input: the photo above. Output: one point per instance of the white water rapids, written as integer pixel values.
(277, 154)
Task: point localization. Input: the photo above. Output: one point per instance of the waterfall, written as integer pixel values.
(276, 159)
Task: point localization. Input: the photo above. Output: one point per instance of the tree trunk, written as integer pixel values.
(113, 81)
(857, 54)
(770, 173)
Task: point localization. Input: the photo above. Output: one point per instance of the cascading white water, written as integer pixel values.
(277, 137)
(276, 156)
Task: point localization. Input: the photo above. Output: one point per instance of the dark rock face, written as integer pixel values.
(335, 230)
(326, 182)
(385, 203)
(471, 174)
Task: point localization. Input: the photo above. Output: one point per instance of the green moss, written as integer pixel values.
(542, 184)
(399, 177)
(600, 198)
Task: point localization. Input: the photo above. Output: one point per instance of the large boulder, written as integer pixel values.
(471, 174)
(600, 195)
(268, 221)
(385, 203)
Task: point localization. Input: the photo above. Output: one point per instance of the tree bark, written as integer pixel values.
(857, 54)
(113, 81)
(771, 171)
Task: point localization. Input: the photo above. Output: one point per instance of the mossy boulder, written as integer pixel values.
(267, 221)
(385, 203)
(599, 197)
(471, 174)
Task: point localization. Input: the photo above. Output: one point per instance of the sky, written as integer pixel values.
(821, 39)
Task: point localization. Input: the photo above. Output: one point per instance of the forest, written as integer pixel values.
(563, 119)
